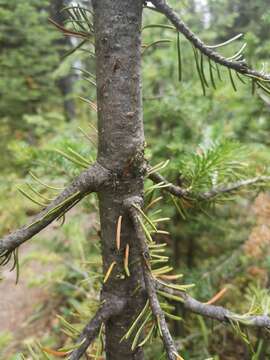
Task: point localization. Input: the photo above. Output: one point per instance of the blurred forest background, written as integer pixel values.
(43, 120)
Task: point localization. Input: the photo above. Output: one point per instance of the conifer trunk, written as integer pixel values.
(121, 144)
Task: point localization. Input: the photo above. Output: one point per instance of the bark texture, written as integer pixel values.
(120, 150)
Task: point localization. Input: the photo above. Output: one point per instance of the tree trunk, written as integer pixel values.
(121, 144)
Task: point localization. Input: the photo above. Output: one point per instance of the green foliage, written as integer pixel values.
(5, 339)
(28, 58)
(215, 164)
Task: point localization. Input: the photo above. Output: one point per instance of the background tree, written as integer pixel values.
(65, 82)
(26, 38)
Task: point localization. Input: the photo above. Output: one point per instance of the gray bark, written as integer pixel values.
(120, 149)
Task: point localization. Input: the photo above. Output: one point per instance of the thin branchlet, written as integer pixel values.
(239, 66)
(173, 189)
(148, 279)
(87, 182)
(215, 192)
(111, 306)
(218, 313)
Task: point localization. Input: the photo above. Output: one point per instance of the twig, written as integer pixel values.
(69, 32)
(239, 66)
(207, 195)
(87, 182)
(232, 187)
(218, 313)
(111, 307)
(173, 189)
(149, 281)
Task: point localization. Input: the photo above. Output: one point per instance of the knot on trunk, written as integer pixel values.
(133, 200)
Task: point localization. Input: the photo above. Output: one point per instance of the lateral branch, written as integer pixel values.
(207, 195)
(239, 66)
(171, 188)
(149, 281)
(88, 181)
(112, 306)
(218, 313)
(223, 189)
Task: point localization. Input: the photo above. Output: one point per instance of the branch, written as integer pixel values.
(218, 313)
(171, 188)
(207, 195)
(111, 307)
(239, 66)
(149, 281)
(207, 310)
(87, 182)
(232, 187)
(69, 32)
